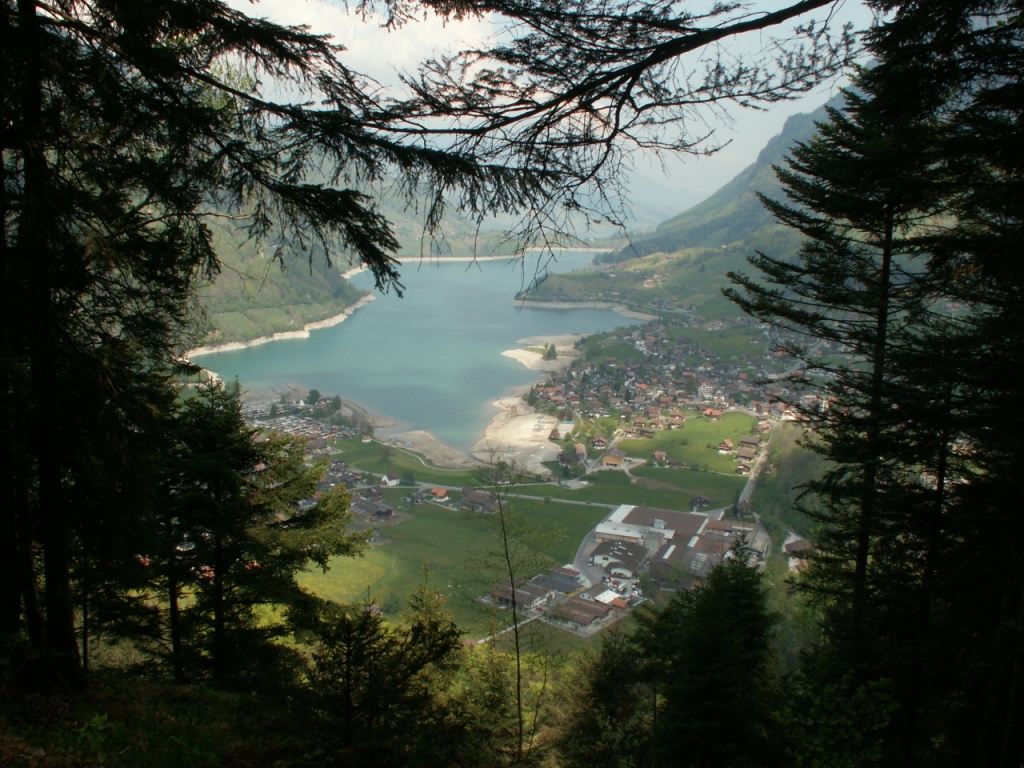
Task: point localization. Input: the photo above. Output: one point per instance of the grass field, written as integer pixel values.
(696, 444)
(459, 549)
(721, 490)
(378, 458)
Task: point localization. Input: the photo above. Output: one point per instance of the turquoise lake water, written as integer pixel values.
(431, 360)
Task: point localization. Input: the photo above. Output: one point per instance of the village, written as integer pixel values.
(601, 406)
(633, 551)
(673, 376)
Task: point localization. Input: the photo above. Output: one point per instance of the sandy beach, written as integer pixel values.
(565, 347)
(433, 450)
(518, 434)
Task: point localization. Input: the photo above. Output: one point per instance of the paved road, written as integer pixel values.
(748, 489)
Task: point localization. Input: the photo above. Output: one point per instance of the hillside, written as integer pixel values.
(257, 295)
(682, 265)
(734, 213)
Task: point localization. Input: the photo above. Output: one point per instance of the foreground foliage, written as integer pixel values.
(909, 198)
(130, 511)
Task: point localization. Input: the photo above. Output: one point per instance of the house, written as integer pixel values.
(440, 495)
(798, 551)
(390, 480)
(371, 510)
(746, 454)
(799, 548)
(613, 457)
(620, 558)
(581, 612)
(568, 458)
(751, 441)
(474, 500)
(526, 595)
(600, 442)
(726, 446)
(575, 455)
(682, 564)
(648, 525)
(713, 414)
(554, 580)
(369, 494)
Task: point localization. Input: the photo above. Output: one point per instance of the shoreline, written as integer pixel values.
(620, 309)
(328, 322)
(519, 433)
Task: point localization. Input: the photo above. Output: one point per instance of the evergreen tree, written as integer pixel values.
(217, 543)
(235, 539)
(917, 421)
(378, 689)
(709, 654)
(610, 709)
(858, 296)
(125, 127)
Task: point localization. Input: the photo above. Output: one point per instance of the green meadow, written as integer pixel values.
(460, 551)
(695, 445)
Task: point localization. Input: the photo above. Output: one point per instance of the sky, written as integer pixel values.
(381, 54)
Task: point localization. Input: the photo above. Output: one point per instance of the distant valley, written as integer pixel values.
(679, 267)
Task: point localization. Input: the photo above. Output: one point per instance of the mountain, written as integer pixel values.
(683, 265)
(734, 213)
(264, 289)
(257, 295)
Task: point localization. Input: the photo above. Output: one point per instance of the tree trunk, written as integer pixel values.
(34, 253)
(219, 640)
(174, 619)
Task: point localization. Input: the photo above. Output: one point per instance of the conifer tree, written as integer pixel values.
(709, 655)
(610, 708)
(858, 294)
(235, 539)
(126, 125)
(378, 691)
(916, 419)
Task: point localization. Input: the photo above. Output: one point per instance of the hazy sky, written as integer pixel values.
(381, 53)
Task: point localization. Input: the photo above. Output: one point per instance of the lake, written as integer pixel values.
(431, 360)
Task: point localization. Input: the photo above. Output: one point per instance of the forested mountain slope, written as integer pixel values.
(733, 213)
(263, 290)
(267, 289)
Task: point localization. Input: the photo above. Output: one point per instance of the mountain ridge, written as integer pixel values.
(734, 212)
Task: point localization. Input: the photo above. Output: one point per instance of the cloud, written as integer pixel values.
(370, 48)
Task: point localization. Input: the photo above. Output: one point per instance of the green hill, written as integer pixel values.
(264, 289)
(256, 294)
(682, 265)
(734, 213)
